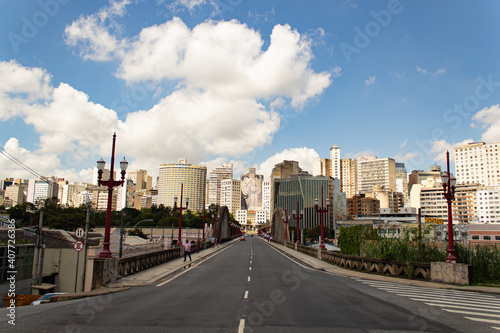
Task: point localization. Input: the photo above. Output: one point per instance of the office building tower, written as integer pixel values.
(421, 176)
(335, 162)
(266, 198)
(141, 179)
(230, 195)
(478, 163)
(488, 204)
(215, 177)
(402, 182)
(16, 193)
(322, 167)
(194, 179)
(349, 176)
(376, 171)
(42, 189)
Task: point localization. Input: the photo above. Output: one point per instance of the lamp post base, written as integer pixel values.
(105, 253)
(452, 259)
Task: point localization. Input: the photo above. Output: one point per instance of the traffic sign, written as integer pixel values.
(79, 233)
(78, 246)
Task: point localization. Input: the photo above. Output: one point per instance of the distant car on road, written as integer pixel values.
(242, 238)
(46, 298)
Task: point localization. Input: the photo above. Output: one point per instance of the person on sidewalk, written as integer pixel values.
(187, 250)
(213, 241)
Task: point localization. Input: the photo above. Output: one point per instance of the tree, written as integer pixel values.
(351, 238)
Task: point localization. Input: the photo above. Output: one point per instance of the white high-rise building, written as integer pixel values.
(266, 198)
(193, 178)
(488, 204)
(41, 189)
(230, 194)
(478, 162)
(215, 177)
(376, 171)
(335, 162)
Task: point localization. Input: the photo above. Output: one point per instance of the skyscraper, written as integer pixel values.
(214, 182)
(335, 162)
(402, 182)
(230, 195)
(349, 177)
(479, 163)
(173, 175)
(376, 171)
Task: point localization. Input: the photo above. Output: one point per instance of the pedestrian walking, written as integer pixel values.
(213, 241)
(187, 250)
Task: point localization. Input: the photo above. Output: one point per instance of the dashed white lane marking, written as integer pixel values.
(249, 268)
(241, 328)
(246, 294)
(249, 279)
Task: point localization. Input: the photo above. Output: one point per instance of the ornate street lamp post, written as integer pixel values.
(111, 183)
(449, 183)
(298, 217)
(180, 209)
(321, 211)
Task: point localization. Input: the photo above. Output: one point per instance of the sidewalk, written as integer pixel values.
(325, 266)
(148, 276)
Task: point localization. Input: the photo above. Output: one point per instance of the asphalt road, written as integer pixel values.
(247, 287)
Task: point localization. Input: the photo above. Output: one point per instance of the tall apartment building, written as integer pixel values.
(374, 171)
(105, 175)
(322, 167)
(141, 179)
(215, 177)
(433, 204)
(488, 204)
(266, 198)
(230, 194)
(420, 176)
(349, 176)
(478, 162)
(402, 182)
(41, 189)
(464, 207)
(194, 178)
(16, 193)
(335, 161)
(100, 200)
(359, 205)
(69, 191)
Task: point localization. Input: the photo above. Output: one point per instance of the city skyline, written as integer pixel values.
(247, 83)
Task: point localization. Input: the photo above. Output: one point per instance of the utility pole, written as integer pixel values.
(41, 247)
(87, 222)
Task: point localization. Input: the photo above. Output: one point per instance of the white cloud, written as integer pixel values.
(305, 157)
(489, 118)
(359, 154)
(400, 157)
(227, 59)
(92, 36)
(370, 81)
(440, 147)
(426, 72)
(21, 88)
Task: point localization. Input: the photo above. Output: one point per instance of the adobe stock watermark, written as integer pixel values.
(224, 6)
(371, 30)
(31, 25)
(455, 116)
(89, 307)
(292, 279)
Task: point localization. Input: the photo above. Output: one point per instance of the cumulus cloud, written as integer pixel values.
(440, 147)
(489, 118)
(21, 88)
(91, 34)
(305, 157)
(226, 58)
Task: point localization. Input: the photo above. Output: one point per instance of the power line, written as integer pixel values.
(24, 166)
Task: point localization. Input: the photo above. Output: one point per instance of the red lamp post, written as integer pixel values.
(449, 183)
(111, 183)
(321, 211)
(180, 209)
(203, 216)
(298, 217)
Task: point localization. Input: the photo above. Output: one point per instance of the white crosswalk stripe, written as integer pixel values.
(473, 306)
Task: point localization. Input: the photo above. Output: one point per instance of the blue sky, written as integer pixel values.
(248, 82)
